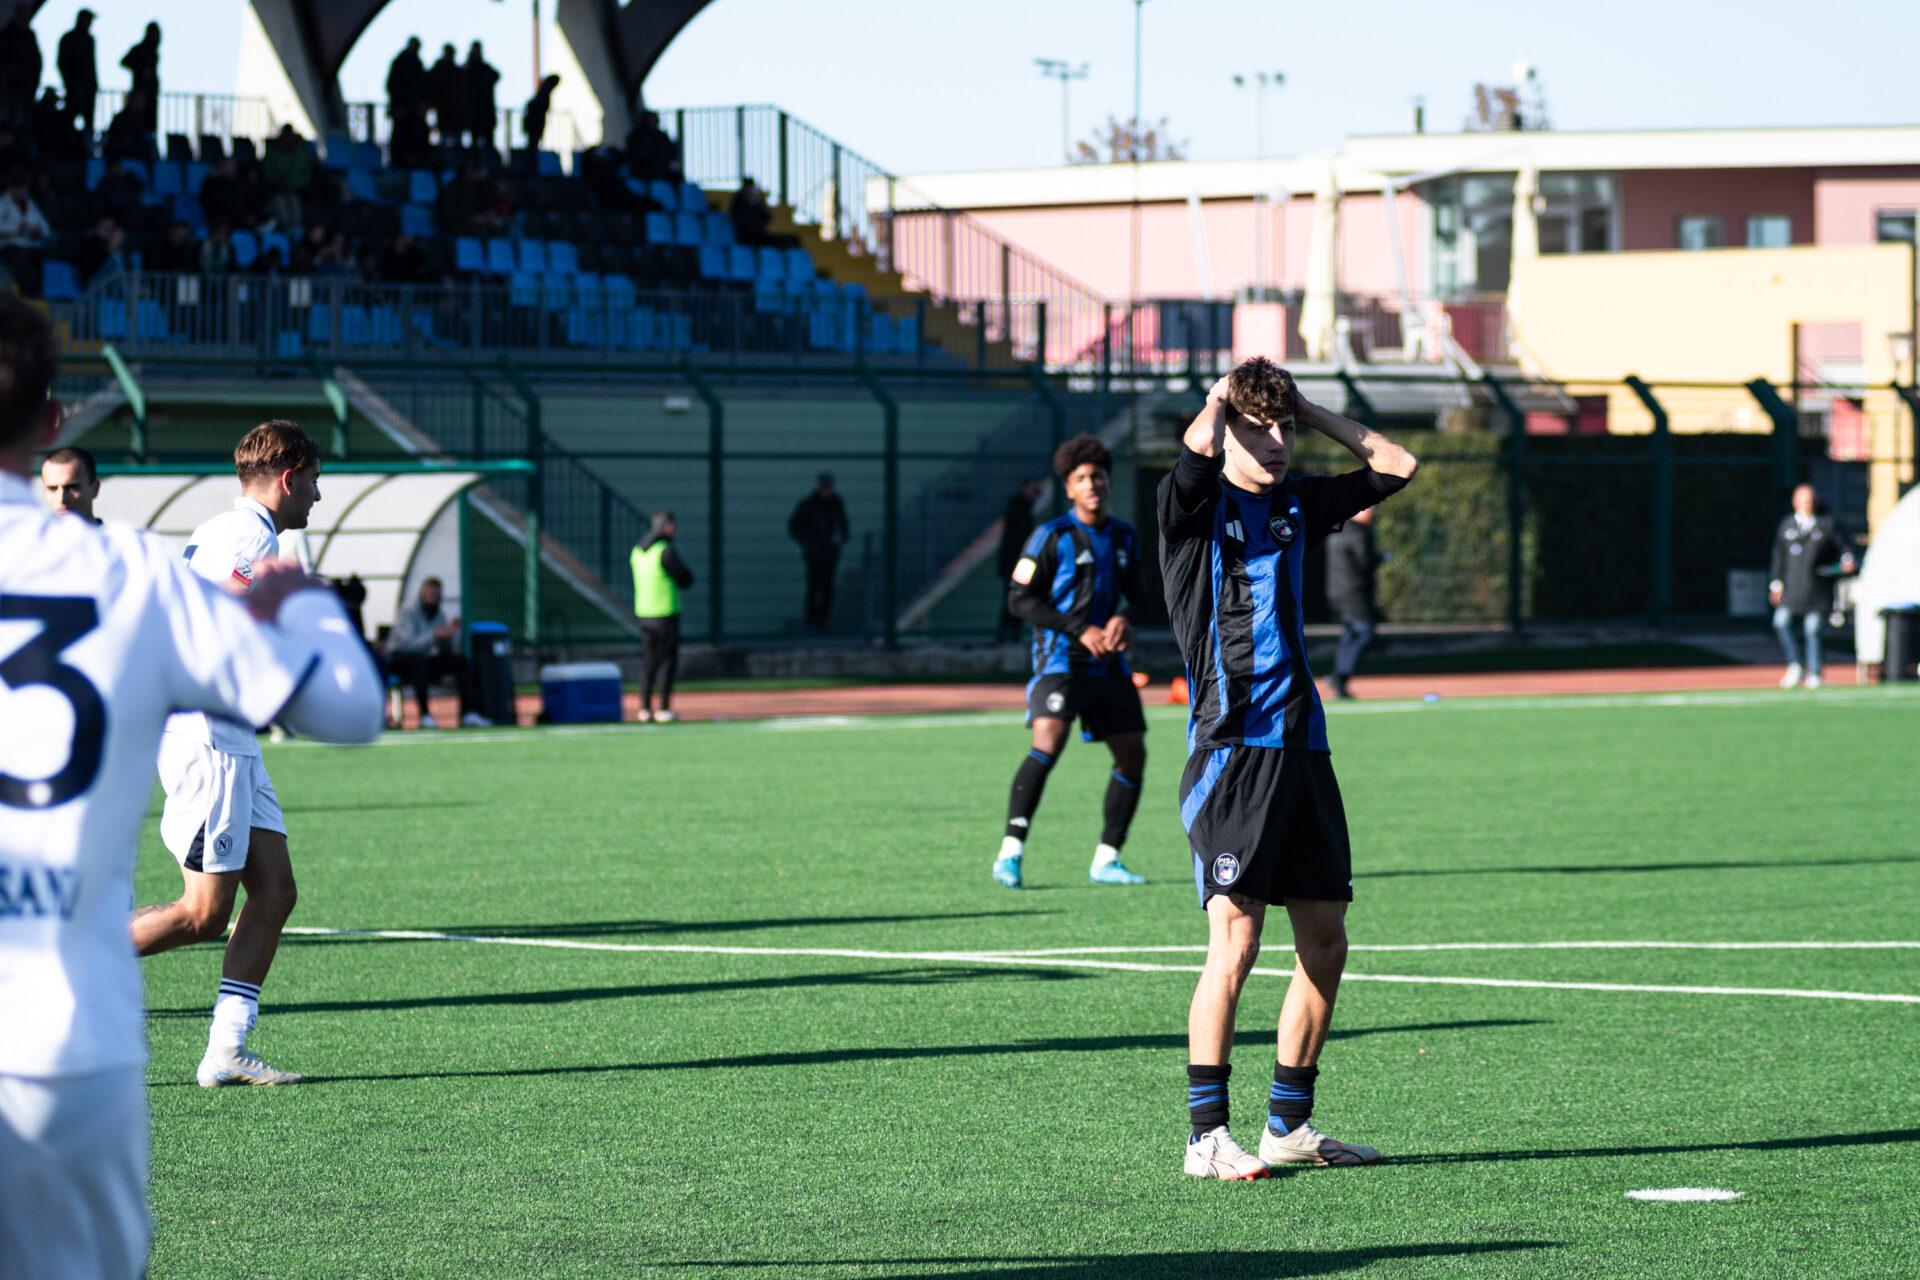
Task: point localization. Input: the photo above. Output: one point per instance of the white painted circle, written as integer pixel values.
(1684, 1193)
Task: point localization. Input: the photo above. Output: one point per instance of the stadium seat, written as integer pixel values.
(500, 257)
(556, 292)
(360, 183)
(245, 249)
(186, 209)
(179, 150)
(468, 256)
(320, 324)
(524, 289)
(909, 333)
(741, 263)
(339, 152)
(417, 221)
(167, 179)
(270, 240)
(139, 169)
(197, 174)
(687, 230)
(366, 155)
(691, 199)
(356, 329)
(533, 257)
(619, 291)
(771, 264)
(719, 228)
(713, 262)
(213, 148)
(287, 344)
(384, 327)
(96, 170)
(59, 282)
(547, 165)
(663, 194)
(422, 187)
(799, 265)
(561, 258)
(659, 229)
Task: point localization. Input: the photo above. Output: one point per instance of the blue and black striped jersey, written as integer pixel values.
(1072, 576)
(1233, 562)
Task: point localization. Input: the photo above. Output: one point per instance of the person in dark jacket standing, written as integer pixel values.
(534, 119)
(79, 73)
(20, 66)
(819, 525)
(407, 81)
(1352, 562)
(659, 576)
(1016, 526)
(1807, 549)
(447, 89)
(143, 64)
(480, 78)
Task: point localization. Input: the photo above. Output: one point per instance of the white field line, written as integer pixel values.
(1076, 962)
(1846, 697)
(1503, 946)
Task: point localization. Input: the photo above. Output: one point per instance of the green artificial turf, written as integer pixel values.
(487, 1110)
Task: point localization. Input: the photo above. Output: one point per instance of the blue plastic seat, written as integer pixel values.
(468, 256)
(741, 263)
(659, 229)
(356, 330)
(186, 209)
(713, 262)
(691, 199)
(619, 290)
(270, 240)
(139, 169)
(110, 318)
(59, 281)
(547, 164)
(339, 151)
(422, 187)
(287, 344)
(197, 174)
(662, 193)
(500, 257)
(719, 228)
(366, 155)
(687, 230)
(640, 330)
(96, 170)
(167, 179)
(245, 249)
(320, 323)
(533, 257)
(561, 258)
(799, 265)
(525, 289)
(360, 183)
(556, 292)
(385, 329)
(417, 221)
(771, 264)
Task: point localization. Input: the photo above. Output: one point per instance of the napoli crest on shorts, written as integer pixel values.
(223, 844)
(1282, 528)
(1056, 701)
(1226, 868)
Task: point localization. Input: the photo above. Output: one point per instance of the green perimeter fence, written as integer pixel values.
(1529, 509)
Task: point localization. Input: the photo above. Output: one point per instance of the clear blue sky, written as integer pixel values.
(922, 85)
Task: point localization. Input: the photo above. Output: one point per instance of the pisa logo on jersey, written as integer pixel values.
(1283, 529)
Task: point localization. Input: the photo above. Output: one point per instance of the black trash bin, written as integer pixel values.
(1903, 643)
(490, 651)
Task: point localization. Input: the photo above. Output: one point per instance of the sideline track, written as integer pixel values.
(1077, 959)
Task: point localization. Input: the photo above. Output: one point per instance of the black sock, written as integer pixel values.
(1206, 1096)
(1028, 783)
(1123, 797)
(1290, 1100)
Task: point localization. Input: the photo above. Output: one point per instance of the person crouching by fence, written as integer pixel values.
(659, 576)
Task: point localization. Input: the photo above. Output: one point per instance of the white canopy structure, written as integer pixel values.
(1889, 578)
(1320, 306)
(391, 529)
(1524, 253)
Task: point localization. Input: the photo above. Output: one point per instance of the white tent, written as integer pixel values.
(392, 530)
(1525, 251)
(1319, 307)
(1889, 578)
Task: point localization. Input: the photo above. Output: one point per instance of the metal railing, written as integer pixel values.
(370, 122)
(951, 256)
(219, 115)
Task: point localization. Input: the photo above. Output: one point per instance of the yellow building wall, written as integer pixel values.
(1721, 316)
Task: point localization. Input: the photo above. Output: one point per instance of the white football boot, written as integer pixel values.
(1307, 1145)
(1791, 680)
(239, 1066)
(1214, 1154)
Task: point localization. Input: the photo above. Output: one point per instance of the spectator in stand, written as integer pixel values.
(478, 79)
(446, 88)
(143, 64)
(120, 189)
(1016, 526)
(819, 525)
(535, 118)
(15, 153)
(335, 260)
(659, 576)
(173, 250)
(102, 254)
(23, 234)
(271, 263)
(403, 263)
(496, 216)
(420, 650)
(288, 169)
(461, 202)
(20, 67)
(307, 251)
(650, 152)
(216, 253)
(130, 136)
(79, 72)
(751, 213)
(407, 81)
(54, 136)
(221, 198)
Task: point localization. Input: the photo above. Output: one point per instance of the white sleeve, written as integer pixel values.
(341, 697)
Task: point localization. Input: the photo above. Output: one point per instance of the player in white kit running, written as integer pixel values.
(222, 819)
(102, 635)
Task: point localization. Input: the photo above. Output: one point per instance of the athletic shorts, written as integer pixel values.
(214, 803)
(1266, 822)
(73, 1175)
(1106, 706)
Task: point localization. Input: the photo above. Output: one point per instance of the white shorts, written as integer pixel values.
(73, 1175)
(214, 803)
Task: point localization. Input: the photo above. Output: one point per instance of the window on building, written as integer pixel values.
(1473, 225)
(1769, 231)
(1700, 232)
(1895, 226)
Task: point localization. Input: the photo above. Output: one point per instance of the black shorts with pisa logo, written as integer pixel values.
(1266, 822)
(1106, 706)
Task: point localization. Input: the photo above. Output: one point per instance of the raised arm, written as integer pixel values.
(1372, 448)
(1206, 435)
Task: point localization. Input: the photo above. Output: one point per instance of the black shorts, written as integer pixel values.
(1106, 706)
(1266, 822)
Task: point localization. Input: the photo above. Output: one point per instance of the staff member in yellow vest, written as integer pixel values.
(659, 576)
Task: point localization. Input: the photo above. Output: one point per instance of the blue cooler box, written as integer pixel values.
(581, 692)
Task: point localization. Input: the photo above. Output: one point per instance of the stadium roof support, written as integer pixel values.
(311, 39)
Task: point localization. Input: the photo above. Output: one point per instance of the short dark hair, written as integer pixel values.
(1261, 389)
(27, 365)
(273, 447)
(1078, 452)
(432, 582)
(74, 453)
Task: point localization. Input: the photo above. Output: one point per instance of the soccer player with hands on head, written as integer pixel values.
(1258, 798)
(103, 635)
(1069, 583)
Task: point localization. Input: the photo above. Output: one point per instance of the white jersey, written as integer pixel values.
(102, 634)
(224, 551)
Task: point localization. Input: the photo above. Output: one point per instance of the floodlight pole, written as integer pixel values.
(1066, 73)
(1260, 80)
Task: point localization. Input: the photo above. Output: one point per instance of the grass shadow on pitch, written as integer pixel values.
(576, 995)
(380, 806)
(1608, 868)
(905, 1053)
(1235, 1264)
(1875, 1138)
(644, 928)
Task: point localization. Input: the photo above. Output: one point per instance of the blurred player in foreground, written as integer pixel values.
(1069, 584)
(102, 635)
(1259, 799)
(222, 818)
